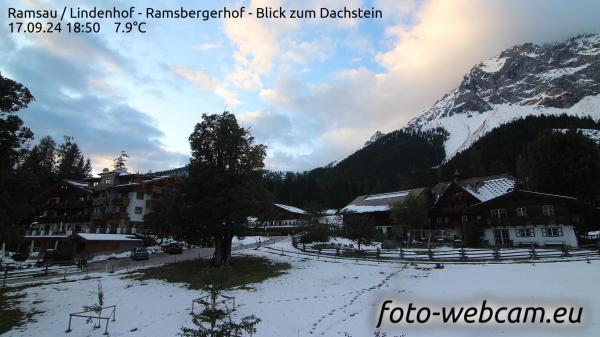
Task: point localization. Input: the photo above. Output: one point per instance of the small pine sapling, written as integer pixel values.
(97, 307)
(217, 322)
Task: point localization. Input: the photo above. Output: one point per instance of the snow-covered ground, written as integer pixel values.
(326, 297)
(466, 128)
(248, 240)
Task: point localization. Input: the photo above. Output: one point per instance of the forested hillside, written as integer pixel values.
(404, 159)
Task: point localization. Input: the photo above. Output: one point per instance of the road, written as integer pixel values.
(158, 259)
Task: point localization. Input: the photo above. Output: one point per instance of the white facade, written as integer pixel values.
(544, 235)
(137, 207)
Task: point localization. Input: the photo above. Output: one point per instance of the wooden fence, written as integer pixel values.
(458, 254)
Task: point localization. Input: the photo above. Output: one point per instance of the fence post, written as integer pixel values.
(5, 276)
(430, 253)
(565, 251)
(337, 251)
(378, 254)
(46, 272)
(533, 254)
(496, 253)
(304, 247)
(401, 253)
(463, 254)
(69, 328)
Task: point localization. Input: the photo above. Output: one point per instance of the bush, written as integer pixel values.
(20, 256)
(315, 233)
(59, 255)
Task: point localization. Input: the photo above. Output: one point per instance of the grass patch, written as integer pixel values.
(11, 315)
(198, 274)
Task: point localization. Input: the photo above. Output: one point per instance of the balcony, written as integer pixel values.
(121, 201)
(98, 216)
(100, 201)
(64, 218)
(116, 216)
(68, 204)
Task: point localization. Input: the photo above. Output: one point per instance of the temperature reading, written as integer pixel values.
(130, 26)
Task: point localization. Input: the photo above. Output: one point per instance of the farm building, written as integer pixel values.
(377, 206)
(526, 217)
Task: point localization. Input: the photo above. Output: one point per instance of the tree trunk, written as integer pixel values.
(227, 249)
(218, 254)
(222, 253)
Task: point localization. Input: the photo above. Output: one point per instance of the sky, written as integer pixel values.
(313, 90)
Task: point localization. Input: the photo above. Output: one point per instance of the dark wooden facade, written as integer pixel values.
(559, 210)
(453, 208)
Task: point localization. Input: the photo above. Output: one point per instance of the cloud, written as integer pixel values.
(206, 82)
(430, 46)
(208, 46)
(68, 102)
(256, 48)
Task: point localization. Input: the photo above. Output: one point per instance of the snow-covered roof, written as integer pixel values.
(490, 189)
(148, 181)
(379, 202)
(387, 195)
(108, 237)
(483, 189)
(532, 193)
(365, 209)
(77, 183)
(290, 208)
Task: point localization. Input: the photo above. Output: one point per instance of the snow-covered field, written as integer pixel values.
(326, 297)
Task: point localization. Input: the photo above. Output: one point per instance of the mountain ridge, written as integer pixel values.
(528, 79)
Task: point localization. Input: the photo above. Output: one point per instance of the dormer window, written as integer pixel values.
(498, 214)
(548, 210)
(521, 211)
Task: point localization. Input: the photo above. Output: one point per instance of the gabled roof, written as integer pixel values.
(143, 182)
(532, 193)
(291, 209)
(379, 202)
(108, 237)
(483, 189)
(79, 185)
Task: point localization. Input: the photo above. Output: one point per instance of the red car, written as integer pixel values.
(173, 248)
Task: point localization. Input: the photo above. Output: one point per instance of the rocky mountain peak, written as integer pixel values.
(522, 80)
(375, 137)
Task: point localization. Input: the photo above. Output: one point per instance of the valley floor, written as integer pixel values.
(325, 297)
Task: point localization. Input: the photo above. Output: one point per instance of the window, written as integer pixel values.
(552, 231)
(138, 210)
(464, 219)
(548, 210)
(498, 214)
(140, 195)
(521, 211)
(525, 232)
(107, 181)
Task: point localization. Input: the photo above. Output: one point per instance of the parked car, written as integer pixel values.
(173, 248)
(140, 253)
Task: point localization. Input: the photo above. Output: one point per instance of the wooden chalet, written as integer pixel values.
(451, 202)
(529, 218)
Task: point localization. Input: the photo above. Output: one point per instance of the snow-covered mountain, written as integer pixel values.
(375, 137)
(524, 80)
